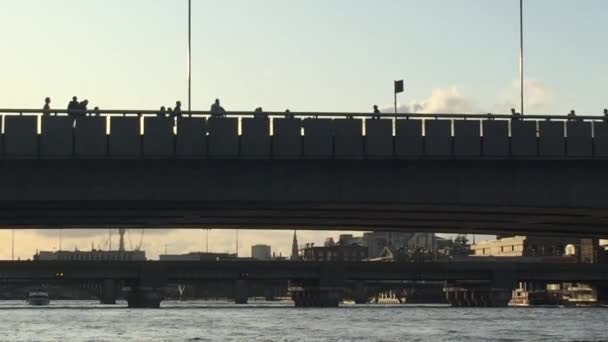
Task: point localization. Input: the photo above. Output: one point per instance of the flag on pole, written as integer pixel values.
(398, 87)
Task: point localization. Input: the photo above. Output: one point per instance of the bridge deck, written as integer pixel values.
(255, 270)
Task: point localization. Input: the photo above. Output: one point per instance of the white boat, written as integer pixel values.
(38, 298)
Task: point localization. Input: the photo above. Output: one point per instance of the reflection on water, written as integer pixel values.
(261, 321)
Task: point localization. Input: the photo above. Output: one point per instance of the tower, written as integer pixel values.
(294, 247)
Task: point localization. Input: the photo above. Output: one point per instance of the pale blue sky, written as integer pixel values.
(332, 55)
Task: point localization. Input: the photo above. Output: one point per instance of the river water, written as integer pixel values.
(205, 321)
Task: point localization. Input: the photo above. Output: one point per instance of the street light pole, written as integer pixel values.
(521, 53)
(189, 55)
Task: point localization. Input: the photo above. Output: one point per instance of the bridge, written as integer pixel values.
(320, 283)
(340, 171)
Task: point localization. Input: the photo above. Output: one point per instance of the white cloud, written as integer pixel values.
(538, 98)
(452, 100)
(442, 100)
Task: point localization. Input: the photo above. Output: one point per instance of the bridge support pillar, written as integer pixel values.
(360, 293)
(241, 291)
(109, 292)
(143, 297)
(147, 291)
(316, 296)
(501, 288)
(325, 292)
(489, 295)
(602, 293)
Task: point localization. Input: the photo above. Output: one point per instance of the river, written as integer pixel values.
(205, 321)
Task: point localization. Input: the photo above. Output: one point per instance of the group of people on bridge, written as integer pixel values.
(78, 109)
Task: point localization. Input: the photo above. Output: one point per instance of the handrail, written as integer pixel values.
(111, 112)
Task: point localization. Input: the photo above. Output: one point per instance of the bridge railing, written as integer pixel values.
(28, 133)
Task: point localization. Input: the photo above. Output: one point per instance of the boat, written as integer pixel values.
(38, 298)
(579, 295)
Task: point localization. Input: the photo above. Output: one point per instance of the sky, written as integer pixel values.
(315, 55)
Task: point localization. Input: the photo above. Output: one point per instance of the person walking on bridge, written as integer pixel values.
(376, 112)
(46, 110)
(82, 108)
(73, 107)
(177, 111)
(217, 110)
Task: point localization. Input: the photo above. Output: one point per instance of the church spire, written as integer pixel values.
(294, 247)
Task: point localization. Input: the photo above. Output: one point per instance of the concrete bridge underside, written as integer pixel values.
(566, 197)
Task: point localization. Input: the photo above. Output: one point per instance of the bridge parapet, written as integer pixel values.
(26, 134)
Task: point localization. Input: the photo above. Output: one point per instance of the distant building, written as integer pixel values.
(530, 246)
(261, 252)
(94, 255)
(349, 239)
(295, 253)
(198, 256)
(336, 252)
(377, 241)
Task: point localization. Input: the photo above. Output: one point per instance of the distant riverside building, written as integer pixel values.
(261, 252)
(377, 241)
(335, 252)
(94, 255)
(530, 246)
(295, 253)
(198, 256)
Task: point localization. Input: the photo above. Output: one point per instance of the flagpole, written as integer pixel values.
(521, 53)
(395, 102)
(189, 55)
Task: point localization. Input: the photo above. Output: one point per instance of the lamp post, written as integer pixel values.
(189, 55)
(521, 54)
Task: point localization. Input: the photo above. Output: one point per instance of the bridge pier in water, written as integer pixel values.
(360, 293)
(325, 292)
(109, 292)
(144, 297)
(148, 291)
(241, 291)
(316, 296)
(496, 292)
(602, 293)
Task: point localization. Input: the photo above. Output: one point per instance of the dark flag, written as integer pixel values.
(398, 87)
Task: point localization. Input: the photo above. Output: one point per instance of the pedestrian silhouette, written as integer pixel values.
(95, 111)
(73, 106)
(177, 111)
(46, 110)
(82, 108)
(162, 112)
(216, 109)
(288, 114)
(516, 115)
(572, 115)
(258, 113)
(376, 111)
